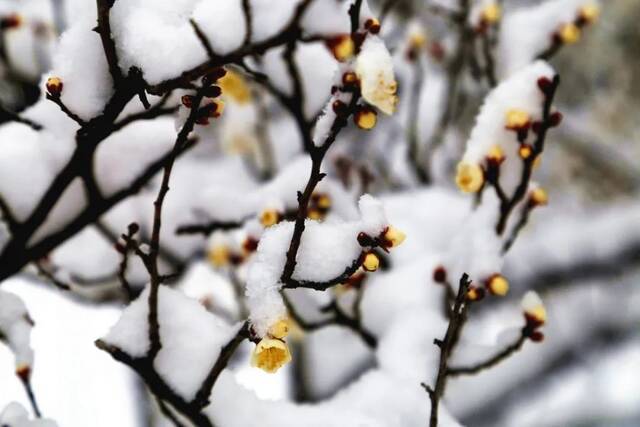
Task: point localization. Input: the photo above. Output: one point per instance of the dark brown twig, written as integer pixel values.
(446, 346)
(489, 363)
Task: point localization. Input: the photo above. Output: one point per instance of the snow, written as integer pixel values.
(326, 250)
(15, 328)
(519, 92)
(79, 54)
(191, 338)
(223, 23)
(527, 31)
(14, 415)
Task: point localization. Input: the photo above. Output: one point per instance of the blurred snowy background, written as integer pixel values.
(581, 253)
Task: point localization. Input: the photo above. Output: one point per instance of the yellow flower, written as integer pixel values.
(469, 177)
(393, 237)
(280, 329)
(539, 197)
(235, 87)
(371, 262)
(524, 151)
(569, 33)
(533, 307)
(269, 217)
(270, 355)
(324, 201)
(342, 47)
(495, 154)
(491, 13)
(517, 119)
(590, 13)
(498, 285)
(54, 86)
(374, 68)
(365, 118)
(219, 256)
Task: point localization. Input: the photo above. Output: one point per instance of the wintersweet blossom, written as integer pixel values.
(491, 13)
(533, 307)
(280, 329)
(393, 237)
(235, 88)
(374, 68)
(539, 196)
(569, 33)
(270, 355)
(365, 118)
(590, 12)
(371, 262)
(269, 217)
(219, 255)
(54, 86)
(498, 285)
(469, 177)
(517, 119)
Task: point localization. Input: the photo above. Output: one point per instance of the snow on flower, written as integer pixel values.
(374, 68)
(509, 108)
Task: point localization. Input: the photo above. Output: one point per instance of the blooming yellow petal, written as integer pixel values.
(280, 329)
(469, 177)
(270, 355)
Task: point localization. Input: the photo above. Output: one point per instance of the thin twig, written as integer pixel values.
(446, 345)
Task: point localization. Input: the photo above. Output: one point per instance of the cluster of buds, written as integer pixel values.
(213, 107)
(319, 206)
(388, 238)
(570, 32)
(10, 21)
(222, 254)
(54, 86)
(272, 352)
(535, 316)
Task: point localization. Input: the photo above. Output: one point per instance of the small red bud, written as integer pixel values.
(440, 274)
(187, 101)
(545, 84)
(212, 91)
(555, 118)
(340, 108)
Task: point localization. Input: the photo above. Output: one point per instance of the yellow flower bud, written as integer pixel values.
(365, 118)
(469, 177)
(324, 202)
(314, 215)
(569, 33)
(342, 47)
(269, 217)
(393, 237)
(524, 151)
(270, 355)
(491, 13)
(54, 86)
(235, 87)
(280, 329)
(539, 197)
(417, 40)
(533, 307)
(495, 154)
(517, 119)
(371, 262)
(498, 285)
(475, 294)
(590, 13)
(219, 256)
